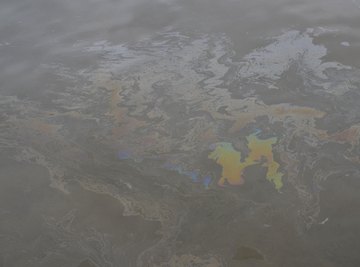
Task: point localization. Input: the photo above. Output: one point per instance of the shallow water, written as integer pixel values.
(179, 133)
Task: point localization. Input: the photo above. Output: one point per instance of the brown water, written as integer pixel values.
(180, 133)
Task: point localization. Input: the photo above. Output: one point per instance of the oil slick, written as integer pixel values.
(194, 175)
(233, 168)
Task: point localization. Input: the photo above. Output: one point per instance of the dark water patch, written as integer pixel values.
(246, 253)
(339, 203)
(91, 224)
(87, 263)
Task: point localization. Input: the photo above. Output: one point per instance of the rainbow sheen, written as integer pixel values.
(194, 175)
(206, 181)
(260, 152)
(124, 154)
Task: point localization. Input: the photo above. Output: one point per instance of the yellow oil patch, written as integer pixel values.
(226, 156)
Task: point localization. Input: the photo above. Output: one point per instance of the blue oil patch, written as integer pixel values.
(124, 155)
(257, 131)
(172, 167)
(194, 175)
(207, 181)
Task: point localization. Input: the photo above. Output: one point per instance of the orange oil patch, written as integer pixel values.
(278, 112)
(226, 156)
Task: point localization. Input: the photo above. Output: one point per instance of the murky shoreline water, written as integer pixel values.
(179, 133)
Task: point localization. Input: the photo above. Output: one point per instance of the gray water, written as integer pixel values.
(179, 133)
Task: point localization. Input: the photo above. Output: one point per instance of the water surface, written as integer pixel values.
(179, 133)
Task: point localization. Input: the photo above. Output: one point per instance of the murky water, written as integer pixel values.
(180, 133)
